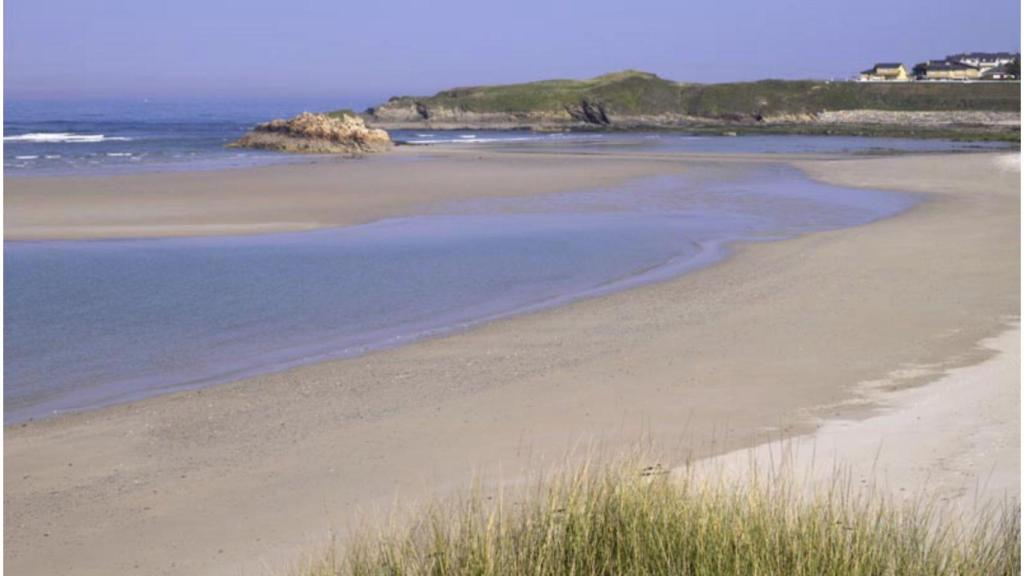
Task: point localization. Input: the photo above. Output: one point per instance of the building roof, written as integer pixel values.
(947, 65)
(1001, 70)
(882, 66)
(988, 56)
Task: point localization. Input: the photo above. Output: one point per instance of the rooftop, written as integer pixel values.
(1002, 70)
(947, 65)
(988, 56)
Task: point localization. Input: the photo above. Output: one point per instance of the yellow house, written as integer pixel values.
(885, 71)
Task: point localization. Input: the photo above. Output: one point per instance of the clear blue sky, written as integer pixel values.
(365, 51)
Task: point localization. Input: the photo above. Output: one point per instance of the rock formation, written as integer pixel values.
(317, 134)
(588, 112)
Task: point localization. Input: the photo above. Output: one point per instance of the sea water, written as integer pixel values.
(90, 323)
(45, 138)
(680, 141)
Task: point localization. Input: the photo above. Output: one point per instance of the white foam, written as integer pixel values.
(26, 157)
(118, 154)
(470, 141)
(63, 138)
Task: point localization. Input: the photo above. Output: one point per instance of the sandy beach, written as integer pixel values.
(954, 442)
(779, 341)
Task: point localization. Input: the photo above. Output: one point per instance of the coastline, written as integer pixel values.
(634, 99)
(706, 363)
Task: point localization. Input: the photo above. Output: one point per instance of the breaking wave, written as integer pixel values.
(470, 140)
(63, 138)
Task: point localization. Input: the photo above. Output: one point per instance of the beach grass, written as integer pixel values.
(643, 521)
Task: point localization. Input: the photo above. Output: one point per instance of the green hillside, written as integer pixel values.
(806, 96)
(640, 93)
(625, 92)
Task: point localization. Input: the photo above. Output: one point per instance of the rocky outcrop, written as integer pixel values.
(317, 134)
(411, 113)
(418, 116)
(920, 118)
(588, 115)
(589, 112)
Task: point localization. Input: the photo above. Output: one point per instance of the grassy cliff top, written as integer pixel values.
(628, 91)
(632, 92)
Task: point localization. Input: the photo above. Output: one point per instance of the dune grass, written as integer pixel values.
(615, 520)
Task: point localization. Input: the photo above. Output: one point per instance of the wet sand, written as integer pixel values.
(324, 193)
(248, 476)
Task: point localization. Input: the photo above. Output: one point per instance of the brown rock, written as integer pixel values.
(317, 134)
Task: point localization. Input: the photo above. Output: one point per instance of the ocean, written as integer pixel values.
(45, 138)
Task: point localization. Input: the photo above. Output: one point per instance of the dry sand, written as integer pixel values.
(243, 477)
(954, 442)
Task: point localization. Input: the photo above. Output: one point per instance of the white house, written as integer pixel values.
(982, 60)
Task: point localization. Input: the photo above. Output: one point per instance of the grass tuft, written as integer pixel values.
(614, 520)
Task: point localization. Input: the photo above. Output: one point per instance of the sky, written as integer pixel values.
(363, 52)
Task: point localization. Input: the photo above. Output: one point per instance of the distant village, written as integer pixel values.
(966, 67)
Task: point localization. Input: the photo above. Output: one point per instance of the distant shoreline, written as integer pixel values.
(1007, 131)
(634, 100)
(955, 133)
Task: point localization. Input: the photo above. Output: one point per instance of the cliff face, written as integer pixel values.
(317, 134)
(630, 100)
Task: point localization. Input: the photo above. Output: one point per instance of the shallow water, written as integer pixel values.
(681, 142)
(90, 323)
